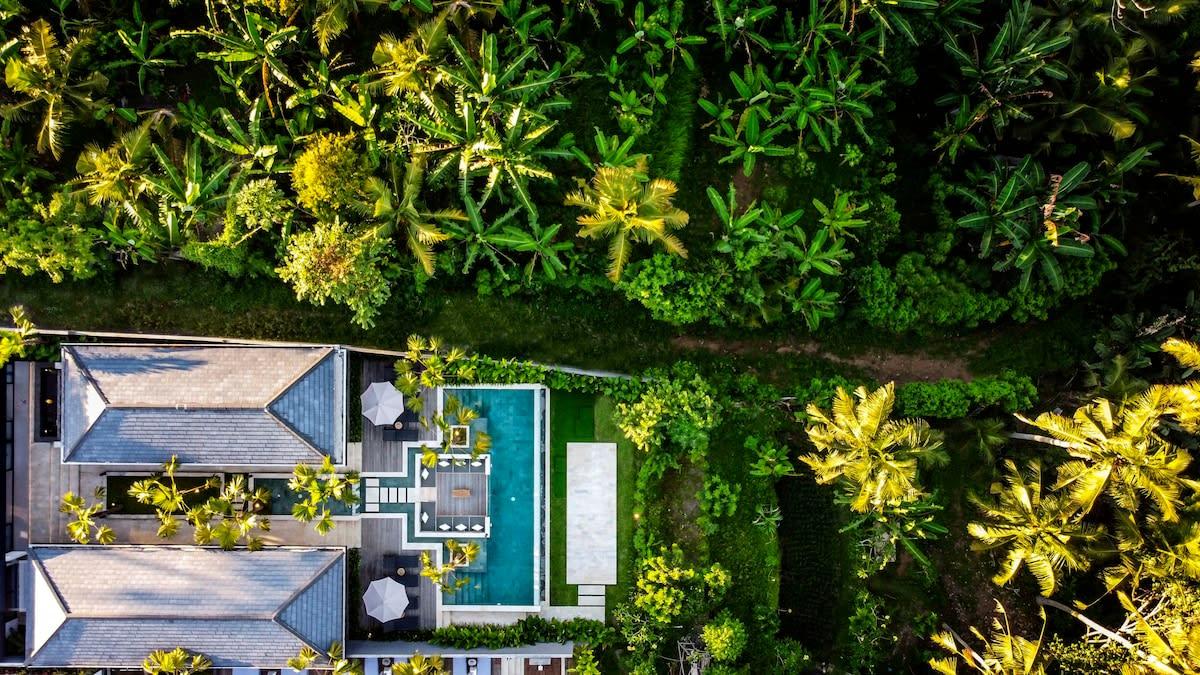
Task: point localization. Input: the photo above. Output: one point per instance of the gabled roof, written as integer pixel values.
(213, 405)
(111, 606)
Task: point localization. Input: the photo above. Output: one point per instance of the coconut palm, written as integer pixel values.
(1041, 531)
(1003, 653)
(876, 458)
(333, 17)
(420, 665)
(620, 205)
(43, 75)
(177, 661)
(115, 176)
(409, 64)
(392, 204)
(1117, 451)
(335, 656)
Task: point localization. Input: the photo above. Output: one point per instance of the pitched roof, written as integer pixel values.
(111, 606)
(216, 405)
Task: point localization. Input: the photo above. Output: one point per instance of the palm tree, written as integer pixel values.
(333, 17)
(1040, 531)
(409, 64)
(445, 576)
(317, 488)
(393, 205)
(16, 342)
(84, 528)
(875, 457)
(338, 664)
(621, 206)
(420, 665)
(116, 176)
(177, 661)
(43, 75)
(168, 499)
(425, 364)
(237, 512)
(1118, 451)
(1004, 653)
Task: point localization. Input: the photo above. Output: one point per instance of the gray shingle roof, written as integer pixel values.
(111, 606)
(215, 405)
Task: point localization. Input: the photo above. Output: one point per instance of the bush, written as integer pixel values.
(725, 637)
(329, 174)
(953, 399)
(527, 631)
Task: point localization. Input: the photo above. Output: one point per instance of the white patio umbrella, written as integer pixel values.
(385, 599)
(381, 403)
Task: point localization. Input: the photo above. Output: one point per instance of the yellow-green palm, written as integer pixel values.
(394, 207)
(1041, 531)
(875, 457)
(419, 664)
(1117, 451)
(621, 206)
(409, 64)
(175, 662)
(43, 75)
(1004, 653)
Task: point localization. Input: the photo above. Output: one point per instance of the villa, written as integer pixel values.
(107, 415)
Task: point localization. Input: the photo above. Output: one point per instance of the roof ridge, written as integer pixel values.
(87, 374)
(297, 594)
(68, 452)
(287, 387)
(329, 352)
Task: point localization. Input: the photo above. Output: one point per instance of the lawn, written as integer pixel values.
(571, 421)
(578, 417)
(627, 469)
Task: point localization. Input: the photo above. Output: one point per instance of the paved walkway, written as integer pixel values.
(591, 517)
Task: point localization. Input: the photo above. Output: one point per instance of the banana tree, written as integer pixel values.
(44, 75)
(255, 150)
(750, 140)
(146, 52)
(480, 237)
(539, 241)
(190, 198)
(1032, 218)
(1001, 81)
(252, 47)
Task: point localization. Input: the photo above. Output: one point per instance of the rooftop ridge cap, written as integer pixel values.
(283, 607)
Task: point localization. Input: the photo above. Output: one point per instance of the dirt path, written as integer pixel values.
(882, 365)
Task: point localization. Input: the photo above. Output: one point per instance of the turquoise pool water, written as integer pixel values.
(503, 572)
(282, 499)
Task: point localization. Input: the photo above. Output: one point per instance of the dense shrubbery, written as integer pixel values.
(527, 631)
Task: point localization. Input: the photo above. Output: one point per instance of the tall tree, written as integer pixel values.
(45, 75)
(1032, 528)
(625, 208)
(876, 458)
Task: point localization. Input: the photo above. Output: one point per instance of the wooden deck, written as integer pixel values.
(378, 455)
(380, 551)
(461, 494)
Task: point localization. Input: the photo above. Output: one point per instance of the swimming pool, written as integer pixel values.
(506, 571)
